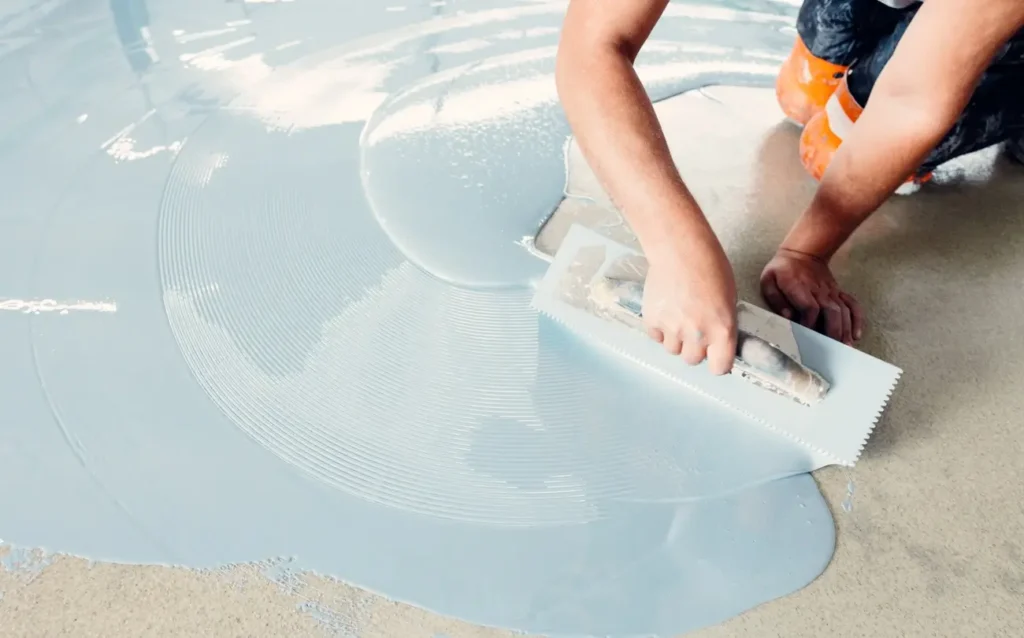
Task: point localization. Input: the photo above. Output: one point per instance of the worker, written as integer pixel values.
(920, 63)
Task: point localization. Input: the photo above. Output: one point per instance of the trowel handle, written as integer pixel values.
(767, 362)
(754, 355)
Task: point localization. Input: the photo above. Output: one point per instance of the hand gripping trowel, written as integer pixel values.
(819, 393)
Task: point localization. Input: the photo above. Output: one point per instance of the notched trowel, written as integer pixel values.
(818, 392)
(758, 360)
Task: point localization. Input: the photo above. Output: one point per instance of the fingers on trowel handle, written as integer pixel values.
(756, 356)
(782, 370)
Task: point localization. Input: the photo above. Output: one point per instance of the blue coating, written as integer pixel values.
(255, 348)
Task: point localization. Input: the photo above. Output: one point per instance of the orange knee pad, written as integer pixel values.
(826, 130)
(805, 83)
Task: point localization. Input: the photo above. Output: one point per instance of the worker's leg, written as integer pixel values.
(1015, 140)
(989, 118)
(826, 129)
(1015, 147)
(831, 35)
(992, 116)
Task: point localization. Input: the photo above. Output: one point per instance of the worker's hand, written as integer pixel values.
(802, 288)
(689, 303)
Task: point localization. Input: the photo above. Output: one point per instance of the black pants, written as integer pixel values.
(863, 34)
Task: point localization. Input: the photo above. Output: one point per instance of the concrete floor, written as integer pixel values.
(929, 523)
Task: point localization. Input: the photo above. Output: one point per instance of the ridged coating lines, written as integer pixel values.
(314, 333)
(405, 392)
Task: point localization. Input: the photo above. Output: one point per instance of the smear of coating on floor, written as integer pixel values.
(309, 330)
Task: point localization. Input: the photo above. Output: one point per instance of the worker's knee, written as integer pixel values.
(805, 83)
(827, 129)
(831, 35)
(840, 51)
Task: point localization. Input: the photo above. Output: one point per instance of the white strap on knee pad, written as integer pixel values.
(899, 4)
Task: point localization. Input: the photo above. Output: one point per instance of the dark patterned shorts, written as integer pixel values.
(863, 34)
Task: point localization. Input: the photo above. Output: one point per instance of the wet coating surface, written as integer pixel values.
(230, 331)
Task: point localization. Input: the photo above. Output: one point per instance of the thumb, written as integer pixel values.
(773, 295)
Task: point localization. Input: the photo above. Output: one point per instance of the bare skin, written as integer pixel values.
(915, 102)
(690, 293)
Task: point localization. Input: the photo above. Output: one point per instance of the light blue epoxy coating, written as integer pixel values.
(248, 367)
(487, 125)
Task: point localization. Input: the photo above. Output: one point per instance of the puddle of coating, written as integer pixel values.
(290, 371)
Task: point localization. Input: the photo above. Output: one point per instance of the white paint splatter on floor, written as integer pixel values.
(36, 306)
(848, 501)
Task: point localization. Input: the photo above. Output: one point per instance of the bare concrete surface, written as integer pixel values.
(929, 523)
(72, 597)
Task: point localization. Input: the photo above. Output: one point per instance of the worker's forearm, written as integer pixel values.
(916, 100)
(889, 143)
(615, 125)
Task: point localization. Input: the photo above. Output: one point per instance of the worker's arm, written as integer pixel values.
(917, 99)
(614, 122)
(690, 297)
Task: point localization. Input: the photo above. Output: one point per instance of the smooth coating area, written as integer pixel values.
(242, 342)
